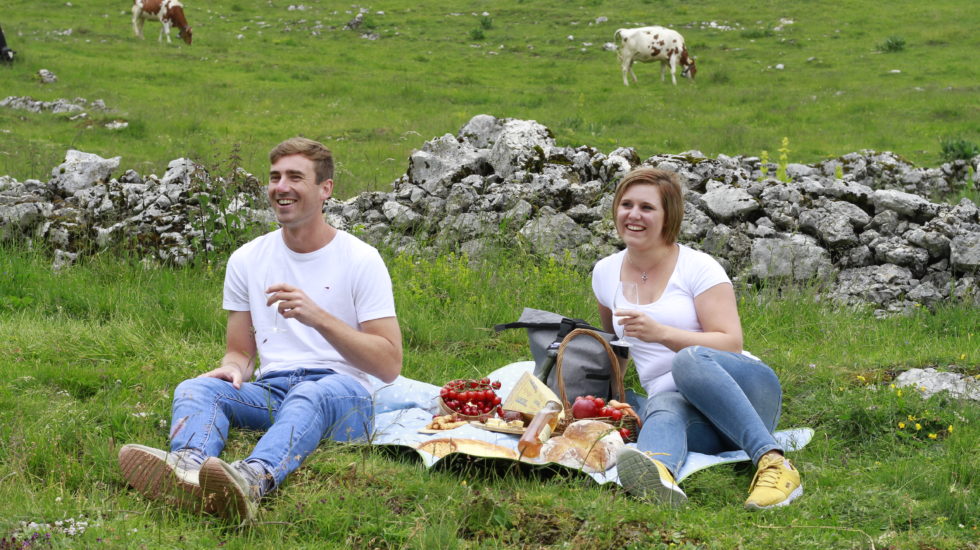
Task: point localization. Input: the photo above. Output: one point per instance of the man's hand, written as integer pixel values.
(294, 304)
(228, 373)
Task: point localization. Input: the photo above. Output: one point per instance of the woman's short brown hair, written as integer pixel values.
(314, 150)
(671, 193)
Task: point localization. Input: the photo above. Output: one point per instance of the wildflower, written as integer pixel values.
(899, 393)
(911, 418)
(950, 428)
(932, 436)
(962, 356)
(901, 425)
(892, 386)
(861, 378)
(918, 426)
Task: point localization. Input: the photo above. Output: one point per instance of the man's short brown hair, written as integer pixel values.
(314, 150)
(671, 194)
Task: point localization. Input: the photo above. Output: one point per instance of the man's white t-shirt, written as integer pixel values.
(694, 273)
(347, 277)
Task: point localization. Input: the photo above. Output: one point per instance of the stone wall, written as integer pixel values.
(862, 224)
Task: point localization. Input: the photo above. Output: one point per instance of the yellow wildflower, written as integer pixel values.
(918, 426)
(892, 386)
(932, 436)
(950, 428)
(901, 425)
(899, 393)
(911, 418)
(861, 378)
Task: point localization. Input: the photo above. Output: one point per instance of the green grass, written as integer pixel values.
(374, 101)
(91, 354)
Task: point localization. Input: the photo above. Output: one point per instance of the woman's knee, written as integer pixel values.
(665, 403)
(690, 362)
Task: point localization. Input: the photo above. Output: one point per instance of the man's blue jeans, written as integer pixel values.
(296, 408)
(725, 401)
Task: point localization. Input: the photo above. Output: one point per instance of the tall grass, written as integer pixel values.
(91, 354)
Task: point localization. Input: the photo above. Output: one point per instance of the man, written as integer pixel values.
(315, 304)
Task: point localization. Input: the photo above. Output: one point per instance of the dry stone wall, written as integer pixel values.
(862, 224)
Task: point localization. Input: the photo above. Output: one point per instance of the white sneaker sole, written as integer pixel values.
(223, 487)
(798, 492)
(641, 478)
(154, 473)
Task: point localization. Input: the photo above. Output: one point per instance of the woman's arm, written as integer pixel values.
(717, 312)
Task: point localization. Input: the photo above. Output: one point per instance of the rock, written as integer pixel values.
(521, 145)
(728, 203)
(906, 204)
(551, 232)
(797, 257)
(47, 77)
(81, 170)
(930, 382)
(964, 252)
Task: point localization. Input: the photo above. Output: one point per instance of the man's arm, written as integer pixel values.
(238, 364)
(375, 349)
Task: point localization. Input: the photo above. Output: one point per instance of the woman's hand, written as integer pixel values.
(641, 326)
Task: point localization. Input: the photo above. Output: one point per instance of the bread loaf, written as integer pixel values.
(590, 445)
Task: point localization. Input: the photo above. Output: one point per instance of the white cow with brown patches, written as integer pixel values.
(647, 44)
(167, 12)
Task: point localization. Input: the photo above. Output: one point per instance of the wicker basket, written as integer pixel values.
(628, 421)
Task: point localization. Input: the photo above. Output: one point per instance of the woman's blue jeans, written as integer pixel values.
(725, 401)
(296, 409)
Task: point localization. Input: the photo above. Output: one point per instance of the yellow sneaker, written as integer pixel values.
(646, 477)
(776, 483)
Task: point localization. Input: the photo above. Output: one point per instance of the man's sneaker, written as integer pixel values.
(776, 483)
(233, 489)
(163, 476)
(646, 477)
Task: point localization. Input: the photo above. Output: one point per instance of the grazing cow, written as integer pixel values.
(6, 54)
(647, 44)
(167, 12)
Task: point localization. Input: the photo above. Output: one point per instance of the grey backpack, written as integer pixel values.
(586, 366)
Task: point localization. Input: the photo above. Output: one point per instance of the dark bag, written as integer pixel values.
(586, 365)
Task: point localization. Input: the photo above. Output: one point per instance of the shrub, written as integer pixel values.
(892, 44)
(951, 149)
(477, 34)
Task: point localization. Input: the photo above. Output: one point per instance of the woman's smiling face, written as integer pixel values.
(640, 216)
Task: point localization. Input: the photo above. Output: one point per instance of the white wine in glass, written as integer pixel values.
(627, 298)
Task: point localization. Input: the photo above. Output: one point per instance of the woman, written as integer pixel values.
(705, 394)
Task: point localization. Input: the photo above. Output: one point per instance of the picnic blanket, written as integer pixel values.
(405, 406)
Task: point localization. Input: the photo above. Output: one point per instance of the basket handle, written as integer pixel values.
(617, 382)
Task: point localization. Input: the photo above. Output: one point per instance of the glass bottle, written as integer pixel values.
(539, 430)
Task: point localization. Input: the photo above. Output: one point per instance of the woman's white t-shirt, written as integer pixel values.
(347, 278)
(694, 273)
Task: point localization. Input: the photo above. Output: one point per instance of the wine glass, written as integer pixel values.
(627, 297)
(269, 281)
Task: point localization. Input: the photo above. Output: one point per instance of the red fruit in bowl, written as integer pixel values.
(584, 408)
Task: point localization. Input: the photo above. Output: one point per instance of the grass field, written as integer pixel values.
(258, 72)
(90, 355)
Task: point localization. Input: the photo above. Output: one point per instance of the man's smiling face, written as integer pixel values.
(294, 193)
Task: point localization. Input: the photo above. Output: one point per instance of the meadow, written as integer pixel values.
(90, 355)
(897, 76)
